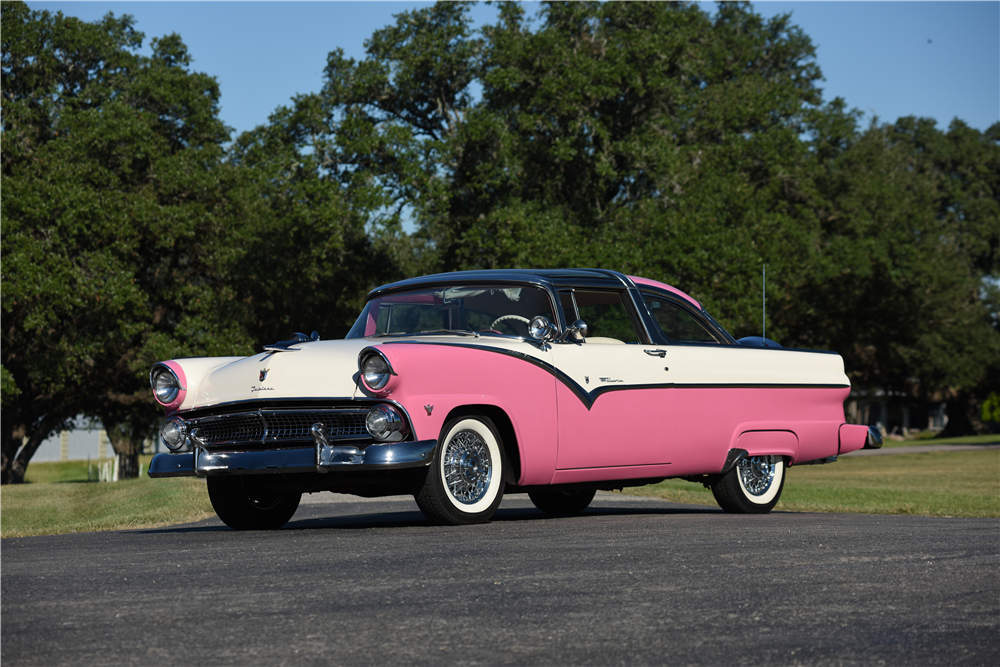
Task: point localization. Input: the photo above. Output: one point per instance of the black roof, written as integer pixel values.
(552, 278)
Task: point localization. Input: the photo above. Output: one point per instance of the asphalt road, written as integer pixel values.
(632, 581)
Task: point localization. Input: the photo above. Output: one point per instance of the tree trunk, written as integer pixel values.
(14, 457)
(128, 463)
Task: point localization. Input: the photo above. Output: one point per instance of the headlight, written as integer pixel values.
(166, 386)
(173, 433)
(376, 372)
(385, 423)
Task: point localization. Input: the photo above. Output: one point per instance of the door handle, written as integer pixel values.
(656, 353)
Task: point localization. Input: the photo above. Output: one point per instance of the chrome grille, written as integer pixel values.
(278, 426)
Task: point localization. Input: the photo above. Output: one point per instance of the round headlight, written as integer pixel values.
(166, 386)
(385, 422)
(376, 371)
(173, 433)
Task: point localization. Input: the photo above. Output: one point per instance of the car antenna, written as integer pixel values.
(763, 303)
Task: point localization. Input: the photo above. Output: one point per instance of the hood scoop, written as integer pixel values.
(286, 345)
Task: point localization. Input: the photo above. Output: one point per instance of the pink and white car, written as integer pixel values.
(459, 388)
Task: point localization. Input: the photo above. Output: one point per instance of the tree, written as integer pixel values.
(657, 139)
(116, 215)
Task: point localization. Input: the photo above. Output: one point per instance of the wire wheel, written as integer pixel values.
(465, 483)
(467, 467)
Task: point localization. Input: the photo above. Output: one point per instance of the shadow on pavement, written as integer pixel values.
(414, 519)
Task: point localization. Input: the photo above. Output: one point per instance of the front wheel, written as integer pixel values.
(245, 504)
(465, 483)
(752, 486)
(562, 503)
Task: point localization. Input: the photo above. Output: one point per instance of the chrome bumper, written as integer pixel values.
(874, 439)
(321, 457)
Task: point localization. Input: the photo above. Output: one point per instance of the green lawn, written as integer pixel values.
(963, 484)
(58, 499)
(961, 440)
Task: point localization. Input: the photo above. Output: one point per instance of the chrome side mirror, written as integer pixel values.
(576, 332)
(541, 329)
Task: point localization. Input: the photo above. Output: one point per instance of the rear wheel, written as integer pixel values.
(562, 503)
(465, 483)
(752, 486)
(245, 504)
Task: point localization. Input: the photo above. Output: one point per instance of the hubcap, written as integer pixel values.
(467, 467)
(757, 474)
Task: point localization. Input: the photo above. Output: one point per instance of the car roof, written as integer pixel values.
(553, 278)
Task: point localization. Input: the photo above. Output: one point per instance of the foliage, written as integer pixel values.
(653, 138)
(115, 206)
(991, 408)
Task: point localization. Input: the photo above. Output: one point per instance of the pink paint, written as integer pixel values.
(621, 428)
(675, 431)
(652, 283)
(171, 407)
(600, 474)
(447, 377)
(852, 437)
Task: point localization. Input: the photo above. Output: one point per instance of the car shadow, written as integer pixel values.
(415, 519)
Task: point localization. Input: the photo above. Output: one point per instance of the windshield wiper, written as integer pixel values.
(458, 332)
(388, 335)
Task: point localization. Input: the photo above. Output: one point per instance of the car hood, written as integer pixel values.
(314, 369)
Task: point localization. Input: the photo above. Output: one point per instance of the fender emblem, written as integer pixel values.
(586, 379)
(263, 374)
(429, 408)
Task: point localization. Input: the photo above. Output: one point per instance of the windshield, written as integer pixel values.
(477, 309)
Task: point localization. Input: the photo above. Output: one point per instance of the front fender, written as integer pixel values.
(435, 379)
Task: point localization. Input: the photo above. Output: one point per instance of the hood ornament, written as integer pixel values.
(286, 345)
(263, 374)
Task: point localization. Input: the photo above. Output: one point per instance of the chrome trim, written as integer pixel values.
(363, 356)
(169, 370)
(656, 353)
(204, 463)
(874, 439)
(636, 297)
(286, 345)
(267, 422)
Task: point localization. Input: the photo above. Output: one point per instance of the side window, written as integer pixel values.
(676, 323)
(605, 315)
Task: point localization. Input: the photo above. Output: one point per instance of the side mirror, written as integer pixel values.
(541, 329)
(577, 331)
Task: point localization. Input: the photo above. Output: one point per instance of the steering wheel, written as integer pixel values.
(509, 317)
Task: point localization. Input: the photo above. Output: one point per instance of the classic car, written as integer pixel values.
(460, 388)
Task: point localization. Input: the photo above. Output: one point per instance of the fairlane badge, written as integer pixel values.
(255, 389)
(612, 380)
(263, 374)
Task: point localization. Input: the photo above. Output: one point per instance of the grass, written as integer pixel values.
(57, 499)
(931, 440)
(957, 484)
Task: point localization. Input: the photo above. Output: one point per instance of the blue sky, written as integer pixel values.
(891, 59)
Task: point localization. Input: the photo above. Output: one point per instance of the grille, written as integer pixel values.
(278, 426)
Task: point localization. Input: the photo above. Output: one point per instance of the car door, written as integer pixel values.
(613, 389)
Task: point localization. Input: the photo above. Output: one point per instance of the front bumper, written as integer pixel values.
(321, 457)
